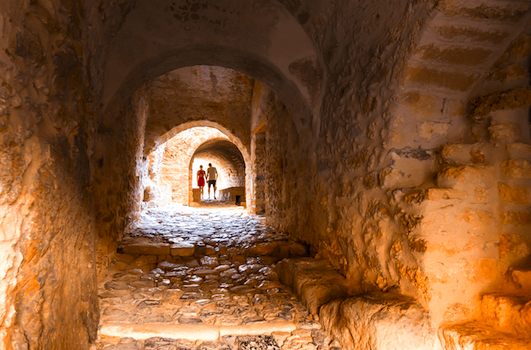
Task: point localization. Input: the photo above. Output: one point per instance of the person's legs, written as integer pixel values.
(213, 184)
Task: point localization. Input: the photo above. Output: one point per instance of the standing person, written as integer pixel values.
(212, 176)
(201, 180)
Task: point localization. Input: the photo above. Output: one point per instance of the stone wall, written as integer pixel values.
(277, 159)
(258, 161)
(48, 104)
(412, 189)
(118, 169)
(404, 159)
(199, 93)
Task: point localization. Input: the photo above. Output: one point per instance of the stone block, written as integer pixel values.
(514, 194)
(209, 261)
(477, 335)
(519, 150)
(315, 282)
(513, 247)
(427, 130)
(147, 249)
(166, 265)
(463, 153)
(455, 55)
(503, 130)
(433, 194)
(144, 260)
(182, 249)
(522, 278)
(424, 106)
(267, 248)
(467, 34)
(499, 100)
(380, 321)
(449, 80)
(516, 218)
(517, 168)
(506, 313)
(466, 177)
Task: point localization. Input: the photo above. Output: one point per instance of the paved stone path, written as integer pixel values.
(203, 278)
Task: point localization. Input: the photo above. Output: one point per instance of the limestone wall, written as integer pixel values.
(404, 158)
(411, 191)
(198, 93)
(48, 103)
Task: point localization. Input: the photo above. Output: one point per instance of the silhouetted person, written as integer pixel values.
(201, 181)
(212, 176)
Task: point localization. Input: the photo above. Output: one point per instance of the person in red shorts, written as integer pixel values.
(201, 179)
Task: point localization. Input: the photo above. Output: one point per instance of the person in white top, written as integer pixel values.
(212, 176)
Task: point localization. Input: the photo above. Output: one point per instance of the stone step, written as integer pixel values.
(480, 336)
(314, 282)
(383, 321)
(191, 332)
(280, 249)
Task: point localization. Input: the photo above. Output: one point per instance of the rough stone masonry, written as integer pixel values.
(391, 139)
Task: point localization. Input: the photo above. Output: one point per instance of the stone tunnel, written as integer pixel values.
(380, 152)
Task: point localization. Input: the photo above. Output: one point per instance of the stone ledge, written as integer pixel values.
(382, 321)
(191, 332)
(476, 335)
(146, 249)
(315, 282)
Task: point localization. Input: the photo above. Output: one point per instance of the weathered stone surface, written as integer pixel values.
(513, 194)
(462, 177)
(79, 111)
(517, 98)
(217, 300)
(147, 249)
(475, 335)
(517, 168)
(433, 194)
(503, 130)
(182, 249)
(378, 321)
(315, 282)
(452, 81)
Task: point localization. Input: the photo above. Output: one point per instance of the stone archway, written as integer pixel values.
(228, 161)
(260, 47)
(172, 159)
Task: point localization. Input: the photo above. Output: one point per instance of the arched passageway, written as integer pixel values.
(391, 138)
(169, 178)
(230, 165)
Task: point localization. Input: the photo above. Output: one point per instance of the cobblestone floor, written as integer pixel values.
(203, 278)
